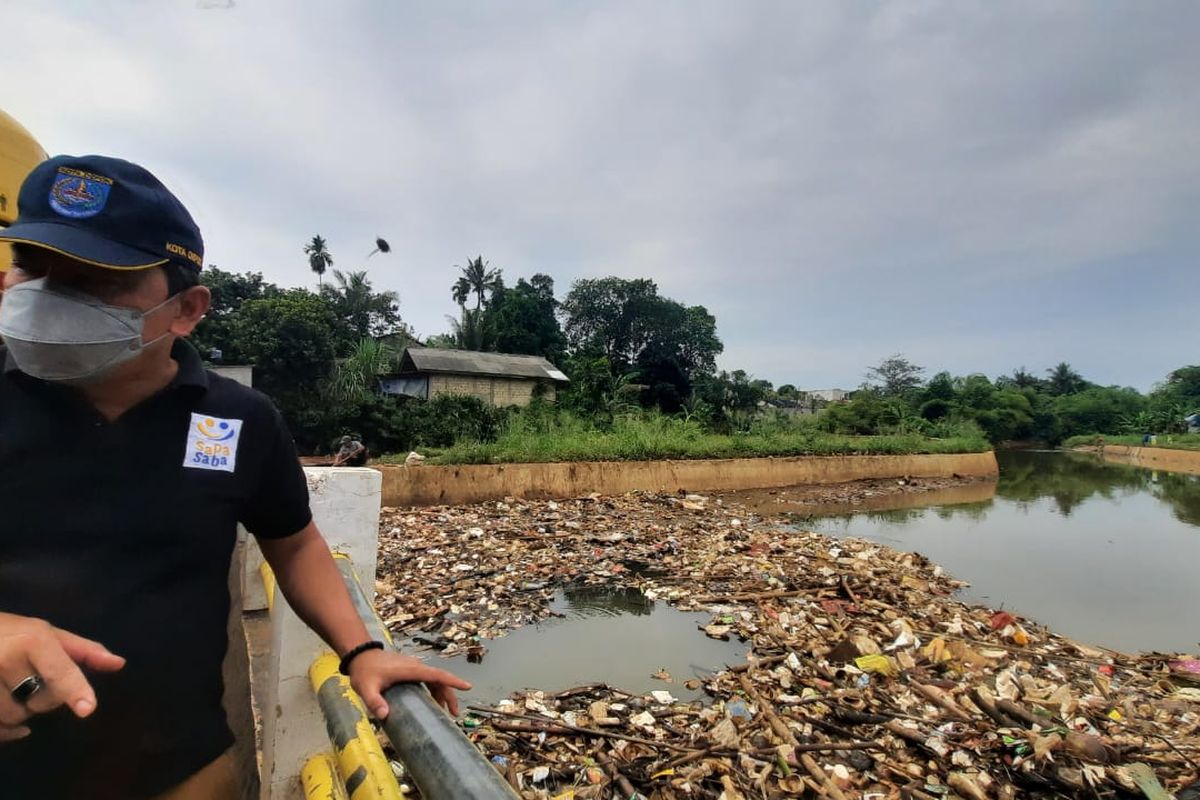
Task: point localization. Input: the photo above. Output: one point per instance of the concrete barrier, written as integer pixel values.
(345, 505)
(1186, 461)
(474, 483)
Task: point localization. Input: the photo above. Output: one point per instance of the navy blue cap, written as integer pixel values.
(105, 212)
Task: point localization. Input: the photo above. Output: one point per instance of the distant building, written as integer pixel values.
(1193, 422)
(828, 395)
(499, 379)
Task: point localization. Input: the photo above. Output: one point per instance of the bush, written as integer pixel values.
(397, 425)
(547, 434)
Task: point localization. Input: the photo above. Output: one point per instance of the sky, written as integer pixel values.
(979, 186)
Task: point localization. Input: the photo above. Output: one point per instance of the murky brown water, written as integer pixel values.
(1102, 553)
(613, 636)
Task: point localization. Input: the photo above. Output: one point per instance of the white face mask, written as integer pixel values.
(69, 337)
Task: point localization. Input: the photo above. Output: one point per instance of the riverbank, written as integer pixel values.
(422, 485)
(661, 439)
(865, 675)
(1168, 459)
(882, 494)
(1177, 441)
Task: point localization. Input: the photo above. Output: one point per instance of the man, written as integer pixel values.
(351, 453)
(125, 470)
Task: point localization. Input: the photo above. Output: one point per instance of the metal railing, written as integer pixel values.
(439, 759)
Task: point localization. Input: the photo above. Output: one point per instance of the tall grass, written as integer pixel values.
(1171, 441)
(552, 435)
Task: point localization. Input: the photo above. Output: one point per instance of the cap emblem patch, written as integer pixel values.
(78, 194)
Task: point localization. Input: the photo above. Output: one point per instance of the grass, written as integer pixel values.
(644, 438)
(1173, 441)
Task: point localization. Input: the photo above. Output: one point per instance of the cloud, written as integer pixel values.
(834, 181)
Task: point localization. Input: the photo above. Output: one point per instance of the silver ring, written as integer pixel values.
(27, 689)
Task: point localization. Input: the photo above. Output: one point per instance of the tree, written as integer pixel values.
(665, 344)
(476, 279)
(362, 311)
(1024, 379)
(319, 258)
(1096, 409)
(1062, 379)
(469, 332)
(895, 376)
(610, 316)
(229, 291)
(523, 319)
(290, 340)
(733, 397)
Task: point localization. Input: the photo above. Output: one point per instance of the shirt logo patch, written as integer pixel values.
(79, 194)
(212, 443)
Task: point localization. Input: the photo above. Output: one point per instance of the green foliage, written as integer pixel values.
(731, 399)
(667, 346)
(1173, 441)
(1062, 379)
(355, 378)
(229, 291)
(319, 258)
(289, 338)
(476, 279)
(1014, 407)
(360, 310)
(894, 376)
(523, 320)
(544, 434)
(1096, 409)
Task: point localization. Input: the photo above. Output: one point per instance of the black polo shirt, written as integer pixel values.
(123, 532)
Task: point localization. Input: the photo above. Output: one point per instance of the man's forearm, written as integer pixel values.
(313, 586)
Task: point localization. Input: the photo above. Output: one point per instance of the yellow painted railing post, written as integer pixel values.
(320, 780)
(357, 752)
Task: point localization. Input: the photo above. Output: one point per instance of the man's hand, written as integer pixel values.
(31, 646)
(376, 670)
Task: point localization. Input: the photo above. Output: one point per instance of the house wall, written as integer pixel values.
(496, 391)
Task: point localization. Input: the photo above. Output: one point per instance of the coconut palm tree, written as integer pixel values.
(1064, 380)
(476, 279)
(319, 258)
(366, 311)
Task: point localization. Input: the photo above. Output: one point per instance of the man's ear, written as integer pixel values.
(193, 305)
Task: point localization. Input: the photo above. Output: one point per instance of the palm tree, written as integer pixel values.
(1064, 380)
(469, 332)
(477, 279)
(319, 258)
(1024, 379)
(366, 310)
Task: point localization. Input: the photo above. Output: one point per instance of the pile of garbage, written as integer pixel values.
(865, 678)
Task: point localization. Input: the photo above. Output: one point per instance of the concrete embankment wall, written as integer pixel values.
(1168, 460)
(474, 483)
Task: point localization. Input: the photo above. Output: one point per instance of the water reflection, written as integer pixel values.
(581, 602)
(1101, 552)
(1070, 479)
(599, 634)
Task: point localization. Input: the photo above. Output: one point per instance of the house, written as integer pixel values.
(501, 379)
(1193, 422)
(829, 395)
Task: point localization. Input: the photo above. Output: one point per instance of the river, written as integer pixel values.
(1103, 553)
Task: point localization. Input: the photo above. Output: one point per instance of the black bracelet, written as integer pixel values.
(344, 664)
